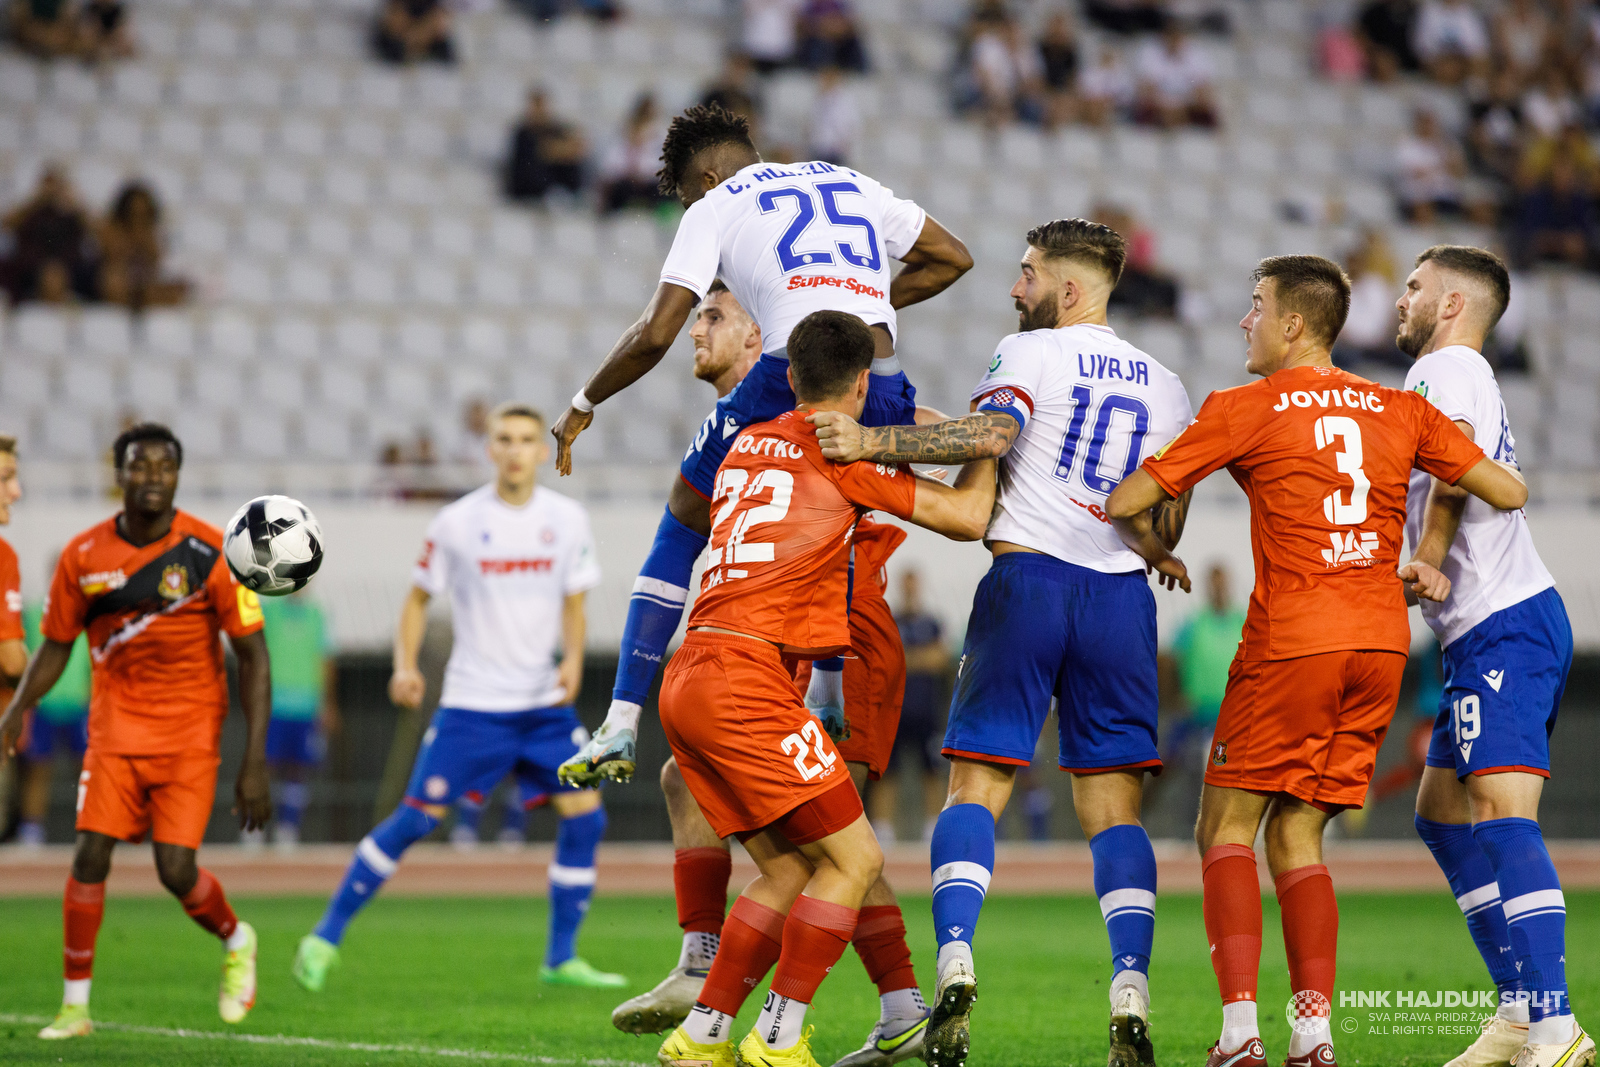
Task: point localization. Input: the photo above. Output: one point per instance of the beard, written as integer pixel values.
(1043, 317)
(711, 368)
(1415, 333)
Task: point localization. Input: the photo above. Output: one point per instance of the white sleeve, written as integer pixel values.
(696, 250)
(1181, 408)
(902, 223)
(1014, 377)
(431, 571)
(1448, 386)
(583, 564)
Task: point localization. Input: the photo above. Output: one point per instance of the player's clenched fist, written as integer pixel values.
(838, 434)
(566, 430)
(406, 687)
(1425, 581)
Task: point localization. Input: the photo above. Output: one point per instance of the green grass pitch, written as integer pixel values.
(461, 974)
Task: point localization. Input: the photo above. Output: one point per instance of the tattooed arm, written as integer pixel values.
(981, 435)
(1134, 507)
(1168, 518)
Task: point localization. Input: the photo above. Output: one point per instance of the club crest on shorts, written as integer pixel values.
(1219, 753)
(174, 582)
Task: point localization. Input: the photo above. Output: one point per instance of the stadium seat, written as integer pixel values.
(117, 130)
(40, 329)
(154, 386)
(275, 37)
(371, 281)
(19, 80)
(326, 434)
(497, 284)
(433, 282)
(25, 381)
(105, 332)
(357, 339)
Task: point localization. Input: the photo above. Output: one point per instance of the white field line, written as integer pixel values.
(339, 1046)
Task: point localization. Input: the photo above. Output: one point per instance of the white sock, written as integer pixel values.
(1514, 1010)
(623, 715)
(1552, 1030)
(707, 1026)
(238, 939)
(76, 991)
(953, 950)
(780, 1021)
(1238, 1025)
(1303, 1044)
(902, 1004)
(1128, 977)
(699, 949)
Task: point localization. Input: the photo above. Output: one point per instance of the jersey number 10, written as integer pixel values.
(1131, 407)
(806, 214)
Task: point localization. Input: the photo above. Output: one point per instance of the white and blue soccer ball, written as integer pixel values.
(273, 545)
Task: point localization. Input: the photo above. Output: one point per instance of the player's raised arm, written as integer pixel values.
(932, 265)
(1131, 509)
(981, 435)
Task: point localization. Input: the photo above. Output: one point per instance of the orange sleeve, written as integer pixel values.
(1442, 449)
(1204, 447)
(887, 487)
(66, 606)
(10, 595)
(238, 608)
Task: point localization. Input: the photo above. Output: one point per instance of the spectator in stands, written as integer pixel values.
(628, 172)
(1550, 105)
(52, 247)
(1127, 16)
(1385, 28)
(1145, 291)
(46, 28)
(1058, 53)
(1174, 82)
(1106, 88)
(103, 31)
(1369, 328)
(771, 33)
(1556, 218)
(545, 10)
(1496, 135)
(131, 252)
(1008, 73)
(737, 90)
(830, 37)
(1451, 40)
(407, 31)
(835, 119)
(1521, 38)
(1430, 168)
(546, 153)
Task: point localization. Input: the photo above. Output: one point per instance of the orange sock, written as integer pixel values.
(82, 907)
(1233, 919)
(1310, 927)
(208, 905)
(752, 938)
(814, 937)
(880, 941)
(700, 886)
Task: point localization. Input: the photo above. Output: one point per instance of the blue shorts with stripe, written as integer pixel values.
(1503, 681)
(763, 396)
(470, 751)
(1043, 628)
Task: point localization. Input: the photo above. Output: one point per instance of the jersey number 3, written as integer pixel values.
(1332, 428)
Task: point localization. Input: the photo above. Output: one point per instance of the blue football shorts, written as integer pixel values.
(470, 751)
(1043, 628)
(763, 396)
(295, 741)
(46, 737)
(1503, 681)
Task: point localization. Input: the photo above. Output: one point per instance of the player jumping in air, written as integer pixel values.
(1507, 647)
(516, 560)
(150, 587)
(787, 240)
(1325, 458)
(1065, 611)
(758, 763)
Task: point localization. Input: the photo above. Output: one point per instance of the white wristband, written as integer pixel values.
(582, 403)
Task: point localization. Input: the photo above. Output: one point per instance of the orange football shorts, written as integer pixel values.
(1309, 727)
(748, 749)
(167, 797)
(874, 685)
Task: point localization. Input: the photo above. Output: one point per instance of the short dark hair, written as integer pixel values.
(827, 350)
(516, 409)
(8, 444)
(144, 431)
(1313, 287)
(698, 128)
(717, 286)
(1086, 242)
(1479, 264)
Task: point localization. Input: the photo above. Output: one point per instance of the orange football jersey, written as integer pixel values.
(874, 543)
(152, 614)
(1325, 458)
(10, 594)
(782, 518)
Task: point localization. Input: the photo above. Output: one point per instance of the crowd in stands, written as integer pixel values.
(91, 30)
(1159, 78)
(54, 251)
(1528, 75)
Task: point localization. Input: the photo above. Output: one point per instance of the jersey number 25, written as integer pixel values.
(806, 214)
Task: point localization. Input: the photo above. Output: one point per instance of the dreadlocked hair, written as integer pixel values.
(698, 128)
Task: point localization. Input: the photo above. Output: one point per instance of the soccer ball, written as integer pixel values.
(273, 545)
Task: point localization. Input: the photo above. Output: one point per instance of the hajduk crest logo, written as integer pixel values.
(1308, 1012)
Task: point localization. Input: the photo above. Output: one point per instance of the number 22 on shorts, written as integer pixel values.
(810, 739)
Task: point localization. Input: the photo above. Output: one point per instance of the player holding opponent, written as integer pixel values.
(1325, 458)
(757, 762)
(150, 587)
(515, 558)
(1507, 647)
(1065, 610)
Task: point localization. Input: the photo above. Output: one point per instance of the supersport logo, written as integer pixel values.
(808, 281)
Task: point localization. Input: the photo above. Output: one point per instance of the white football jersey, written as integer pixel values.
(1492, 563)
(507, 572)
(1092, 408)
(790, 239)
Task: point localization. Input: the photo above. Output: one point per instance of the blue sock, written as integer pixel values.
(656, 607)
(292, 797)
(469, 812)
(1472, 880)
(1535, 910)
(1125, 882)
(962, 855)
(377, 857)
(513, 815)
(572, 882)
